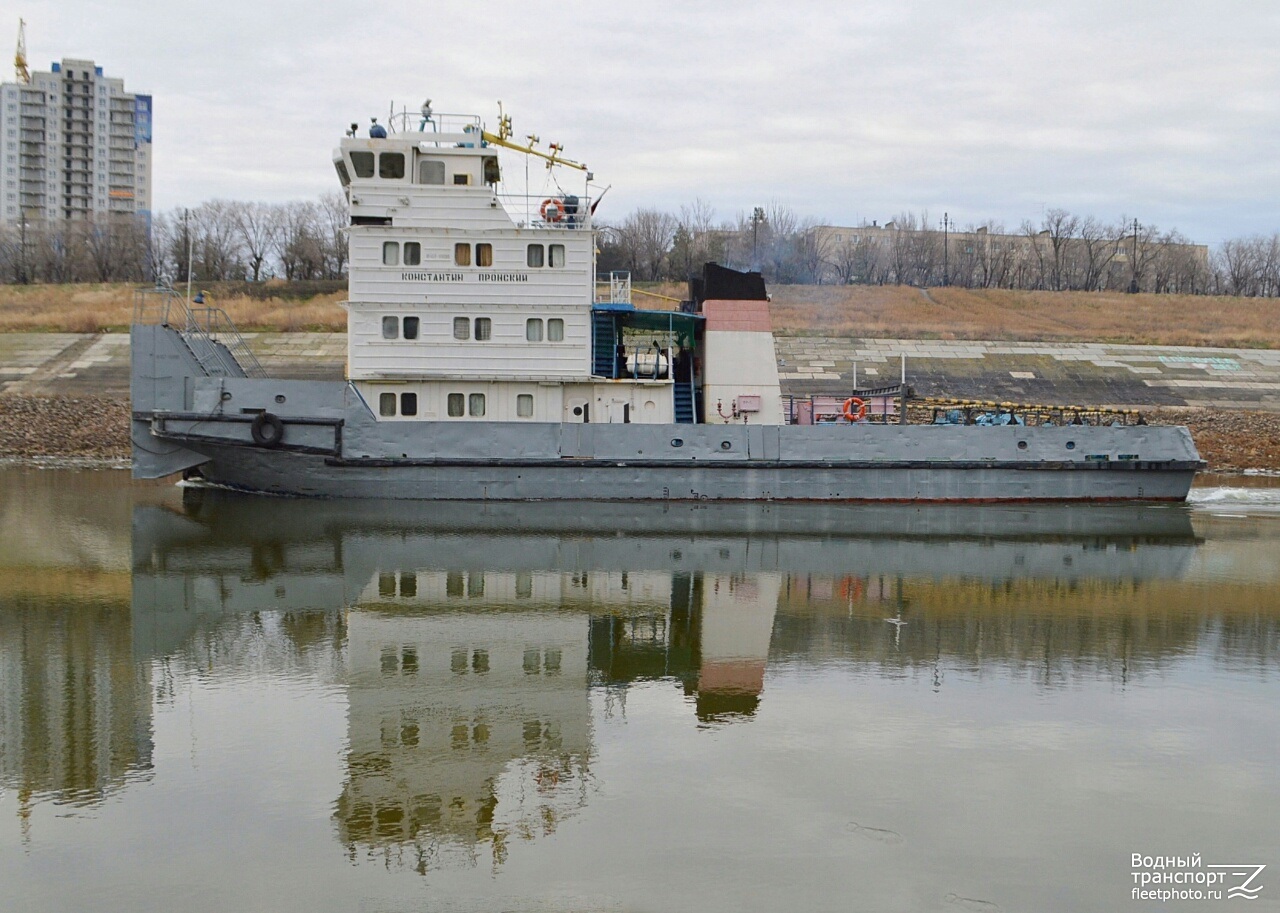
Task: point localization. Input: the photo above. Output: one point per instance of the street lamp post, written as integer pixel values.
(946, 250)
(1133, 262)
(757, 216)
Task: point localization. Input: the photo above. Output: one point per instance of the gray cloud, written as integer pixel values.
(841, 110)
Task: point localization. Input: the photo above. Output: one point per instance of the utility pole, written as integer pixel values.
(186, 229)
(1133, 262)
(757, 216)
(22, 275)
(946, 249)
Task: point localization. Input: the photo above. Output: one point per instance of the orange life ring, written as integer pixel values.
(850, 414)
(552, 210)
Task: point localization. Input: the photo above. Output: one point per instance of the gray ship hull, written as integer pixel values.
(330, 444)
(313, 475)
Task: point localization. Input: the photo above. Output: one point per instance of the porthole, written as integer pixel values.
(577, 410)
(1022, 445)
(725, 445)
(279, 397)
(226, 395)
(677, 442)
(1071, 445)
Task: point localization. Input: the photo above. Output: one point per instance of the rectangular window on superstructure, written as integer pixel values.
(362, 164)
(462, 328)
(533, 329)
(484, 255)
(391, 165)
(475, 405)
(457, 402)
(391, 253)
(408, 404)
(555, 330)
(534, 256)
(556, 252)
(411, 328)
(524, 405)
(412, 253)
(430, 171)
(484, 329)
(390, 327)
(462, 179)
(387, 404)
(462, 254)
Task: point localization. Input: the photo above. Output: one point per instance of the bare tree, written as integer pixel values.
(257, 225)
(644, 239)
(333, 230)
(1097, 248)
(1139, 249)
(299, 244)
(217, 246)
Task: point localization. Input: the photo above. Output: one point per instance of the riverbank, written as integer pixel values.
(96, 429)
(829, 311)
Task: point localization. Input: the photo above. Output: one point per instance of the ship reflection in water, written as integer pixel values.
(533, 706)
(476, 636)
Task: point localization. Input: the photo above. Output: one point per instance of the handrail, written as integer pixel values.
(619, 288)
(216, 338)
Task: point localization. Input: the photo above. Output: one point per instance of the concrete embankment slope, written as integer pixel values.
(70, 364)
(1218, 392)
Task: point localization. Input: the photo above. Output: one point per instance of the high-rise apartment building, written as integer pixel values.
(73, 145)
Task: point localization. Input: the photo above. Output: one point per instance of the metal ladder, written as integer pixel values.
(207, 332)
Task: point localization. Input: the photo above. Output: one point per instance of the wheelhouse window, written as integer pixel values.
(524, 405)
(412, 253)
(391, 166)
(391, 253)
(556, 252)
(461, 328)
(456, 403)
(462, 254)
(390, 327)
(555, 330)
(475, 405)
(534, 257)
(533, 329)
(343, 176)
(411, 327)
(430, 171)
(484, 254)
(484, 329)
(362, 164)
(387, 404)
(408, 404)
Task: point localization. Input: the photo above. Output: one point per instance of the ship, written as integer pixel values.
(488, 360)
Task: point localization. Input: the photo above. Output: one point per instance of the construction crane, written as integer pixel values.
(20, 58)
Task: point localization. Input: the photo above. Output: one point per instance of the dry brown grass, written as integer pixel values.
(823, 310)
(1004, 314)
(953, 313)
(94, 308)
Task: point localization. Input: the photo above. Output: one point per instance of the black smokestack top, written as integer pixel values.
(719, 283)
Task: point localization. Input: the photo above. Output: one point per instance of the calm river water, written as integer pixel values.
(215, 703)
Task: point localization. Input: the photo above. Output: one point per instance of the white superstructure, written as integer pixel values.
(471, 302)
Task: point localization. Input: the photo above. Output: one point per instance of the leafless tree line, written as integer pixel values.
(655, 245)
(232, 240)
(217, 240)
(1063, 251)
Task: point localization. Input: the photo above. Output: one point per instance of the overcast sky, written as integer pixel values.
(844, 111)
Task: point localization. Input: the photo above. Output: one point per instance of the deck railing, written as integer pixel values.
(208, 332)
(562, 211)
